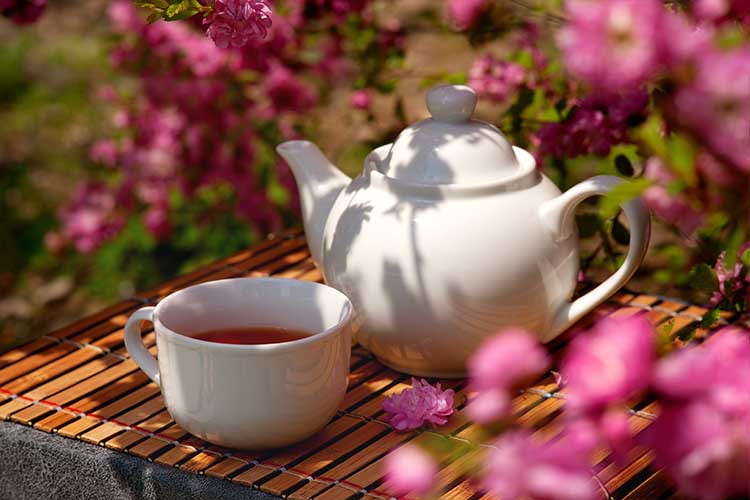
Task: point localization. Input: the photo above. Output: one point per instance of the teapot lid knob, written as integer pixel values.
(451, 103)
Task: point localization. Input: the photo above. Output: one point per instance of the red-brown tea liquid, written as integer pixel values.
(252, 335)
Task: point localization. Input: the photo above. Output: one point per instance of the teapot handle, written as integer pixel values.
(557, 215)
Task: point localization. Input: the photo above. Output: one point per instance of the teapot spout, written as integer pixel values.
(319, 182)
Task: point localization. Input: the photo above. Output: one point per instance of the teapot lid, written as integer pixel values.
(450, 147)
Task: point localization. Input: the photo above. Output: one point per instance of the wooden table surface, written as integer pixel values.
(79, 382)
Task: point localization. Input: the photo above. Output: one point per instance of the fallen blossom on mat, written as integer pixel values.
(418, 405)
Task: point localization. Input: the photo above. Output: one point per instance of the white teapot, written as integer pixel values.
(448, 234)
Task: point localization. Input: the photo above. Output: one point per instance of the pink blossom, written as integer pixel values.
(518, 467)
(232, 23)
(90, 218)
(722, 10)
(705, 452)
(421, 404)
(342, 8)
(734, 281)
(156, 221)
(686, 373)
(464, 13)
(255, 206)
(610, 428)
(490, 405)
(502, 363)
(597, 123)
(672, 208)
(715, 171)
(507, 359)
(361, 99)
(23, 11)
(614, 426)
(700, 436)
(104, 151)
(716, 105)
(613, 44)
(333, 63)
(494, 78)
(409, 469)
(609, 364)
(683, 41)
(124, 16)
(287, 92)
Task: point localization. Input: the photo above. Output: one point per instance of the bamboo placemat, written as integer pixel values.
(79, 382)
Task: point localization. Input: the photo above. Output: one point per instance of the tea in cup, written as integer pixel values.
(250, 363)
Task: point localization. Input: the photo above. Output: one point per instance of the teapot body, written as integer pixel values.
(434, 270)
(450, 234)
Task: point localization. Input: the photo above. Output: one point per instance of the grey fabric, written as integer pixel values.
(35, 465)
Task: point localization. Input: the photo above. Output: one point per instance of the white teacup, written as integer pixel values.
(248, 396)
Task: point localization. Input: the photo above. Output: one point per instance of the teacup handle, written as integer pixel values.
(134, 343)
(557, 216)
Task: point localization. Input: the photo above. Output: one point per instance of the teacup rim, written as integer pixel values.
(255, 348)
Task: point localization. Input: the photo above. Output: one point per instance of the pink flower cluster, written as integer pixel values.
(22, 11)
(603, 369)
(721, 11)
(701, 436)
(609, 364)
(361, 99)
(195, 124)
(342, 8)
(90, 218)
(421, 404)
(204, 119)
(704, 392)
(232, 23)
(619, 45)
(519, 466)
(716, 105)
(595, 124)
(734, 282)
(409, 469)
(465, 13)
(495, 78)
(675, 209)
(502, 364)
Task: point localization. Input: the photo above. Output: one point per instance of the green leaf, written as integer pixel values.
(185, 14)
(650, 134)
(687, 334)
(180, 9)
(733, 247)
(456, 78)
(623, 165)
(682, 156)
(622, 193)
(709, 319)
(745, 259)
(703, 277)
(619, 232)
(525, 98)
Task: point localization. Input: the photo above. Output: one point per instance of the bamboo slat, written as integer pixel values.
(80, 383)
